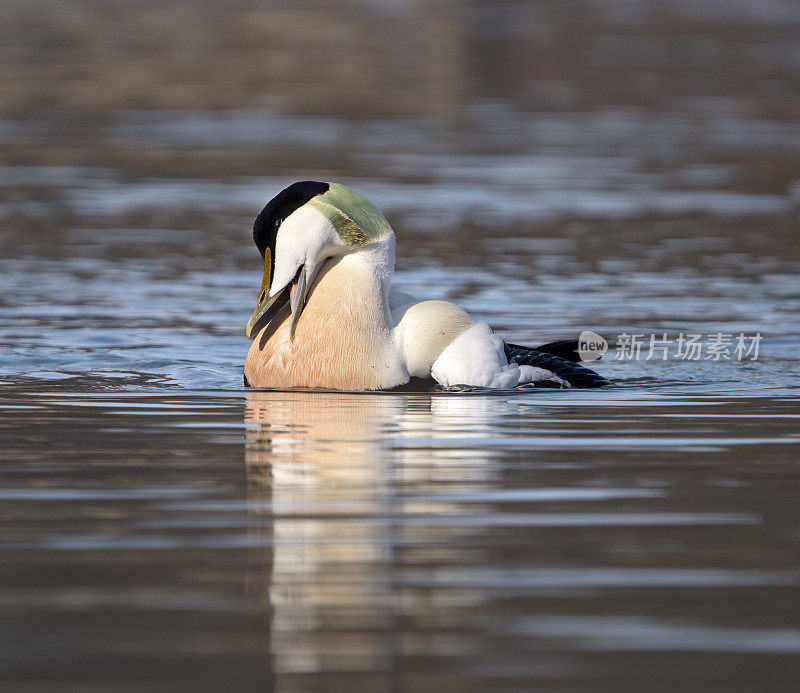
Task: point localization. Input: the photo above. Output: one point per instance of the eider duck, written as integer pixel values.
(327, 317)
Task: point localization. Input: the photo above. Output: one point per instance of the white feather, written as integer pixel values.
(306, 237)
(477, 357)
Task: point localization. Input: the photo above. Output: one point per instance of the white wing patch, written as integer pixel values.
(477, 357)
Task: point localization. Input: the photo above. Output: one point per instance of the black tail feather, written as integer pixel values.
(564, 367)
(565, 348)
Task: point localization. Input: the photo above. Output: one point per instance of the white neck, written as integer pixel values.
(377, 262)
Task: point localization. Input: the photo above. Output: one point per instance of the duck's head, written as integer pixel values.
(300, 228)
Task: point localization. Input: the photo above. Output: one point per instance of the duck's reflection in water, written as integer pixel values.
(341, 481)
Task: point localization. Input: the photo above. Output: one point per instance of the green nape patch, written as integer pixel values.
(356, 219)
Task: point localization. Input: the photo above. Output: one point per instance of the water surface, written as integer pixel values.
(166, 529)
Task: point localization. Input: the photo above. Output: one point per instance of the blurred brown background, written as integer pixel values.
(375, 58)
(71, 66)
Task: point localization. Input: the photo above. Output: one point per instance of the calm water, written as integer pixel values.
(164, 529)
